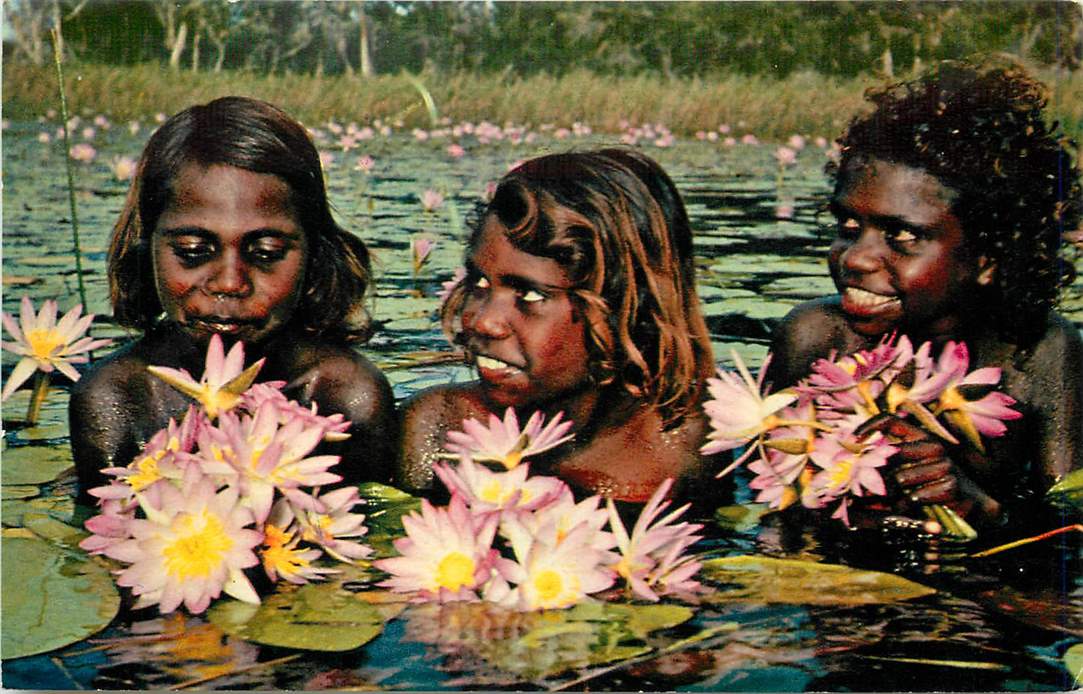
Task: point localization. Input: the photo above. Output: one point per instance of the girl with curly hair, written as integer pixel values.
(579, 298)
(951, 199)
(227, 231)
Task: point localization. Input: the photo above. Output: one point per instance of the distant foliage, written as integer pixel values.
(669, 39)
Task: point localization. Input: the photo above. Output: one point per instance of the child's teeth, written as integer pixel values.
(490, 363)
(867, 299)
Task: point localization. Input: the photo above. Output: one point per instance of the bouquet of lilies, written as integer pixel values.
(807, 444)
(523, 541)
(230, 487)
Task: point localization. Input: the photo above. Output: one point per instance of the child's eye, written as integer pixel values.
(191, 253)
(481, 283)
(268, 252)
(849, 228)
(532, 296)
(901, 238)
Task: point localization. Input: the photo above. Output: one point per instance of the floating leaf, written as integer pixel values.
(791, 581)
(48, 528)
(72, 597)
(1049, 611)
(1073, 660)
(740, 517)
(19, 491)
(384, 508)
(313, 617)
(34, 464)
(1068, 493)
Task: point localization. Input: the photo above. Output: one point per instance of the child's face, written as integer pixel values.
(519, 324)
(229, 253)
(900, 260)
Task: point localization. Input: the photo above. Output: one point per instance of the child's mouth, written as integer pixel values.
(492, 369)
(862, 302)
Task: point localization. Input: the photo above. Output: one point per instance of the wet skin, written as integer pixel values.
(527, 341)
(901, 263)
(229, 257)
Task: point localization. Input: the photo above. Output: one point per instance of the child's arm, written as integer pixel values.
(424, 424)
(807, 333)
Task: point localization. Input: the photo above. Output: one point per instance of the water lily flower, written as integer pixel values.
(796, 142)
(281, 557)
(165, 456)
(110, 527)
(46, 344)
(486, 490)
(549, 576)
(972, 418)
(365, 164)
(652, 557)
(335, 426)
(44, 138)
(849, 468)
(447, 554)
(503, 442)
(263, 457)
(785, 156)
(852, 384)
(89, 133)
(431, 200)
(224, 378)
(123, 168)
(326, 159)
(449, 286)
(193, 545)
(83, 151)
(331, 522)
(738, 410)
(420, 248)
(455, 151)
(554, 521)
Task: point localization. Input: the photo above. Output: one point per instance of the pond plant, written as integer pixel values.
(46, 345)
(813, 443)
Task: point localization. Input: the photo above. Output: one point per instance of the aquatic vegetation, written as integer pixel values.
(809, 441)
(46, 345)
(215, 495)
(536, 547)
(431, 200)
(420, 248)
(504, 442)
(447, 286)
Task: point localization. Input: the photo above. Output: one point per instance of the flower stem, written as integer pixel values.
(54, 33)
(1027, 540)
(37, 397)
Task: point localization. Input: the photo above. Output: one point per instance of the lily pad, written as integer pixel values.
(1073, 660)
(740, 517)
(1068, 492)
(790, 581)
(19, 491)
(72, 598)
(313, 617)
(34, 464)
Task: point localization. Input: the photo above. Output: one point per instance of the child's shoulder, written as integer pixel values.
(121, 370)
(810, 331)
(444, 404)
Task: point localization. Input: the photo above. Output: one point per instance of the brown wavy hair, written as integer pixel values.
(615, 223)
(979, 127)
(253, 135)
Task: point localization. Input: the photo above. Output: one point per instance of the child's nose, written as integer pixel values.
(865, 254)
(490, 318)
(230, 276)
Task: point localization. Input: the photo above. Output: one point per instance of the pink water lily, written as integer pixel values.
(336, 427)
(193, 544)
(224, 378)
(330, 522)
(420, 248)
(431, 200)
(282, 557)
(739, 410)
(504, 442)
(973, 418)
(849, 468)
(449, 286)
(46, 344)
(164, 456)
(486, 490)
(653, 559)
(551, 576)
(555, 520)
(447, 554)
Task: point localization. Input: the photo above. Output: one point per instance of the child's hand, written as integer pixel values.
(925, 473)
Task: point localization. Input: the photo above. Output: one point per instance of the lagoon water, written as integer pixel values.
(761, 240)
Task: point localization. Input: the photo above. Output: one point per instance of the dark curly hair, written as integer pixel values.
(253, 135)
(613, 219)
(979, 128)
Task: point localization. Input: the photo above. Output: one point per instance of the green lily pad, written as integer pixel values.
(1073, 660)
(72, 598)
(790, 581)
(384, 508)
(313, 617)
(740, 517)
(34, 464)
(48, 528)
(55, 505)
(1068, 492)
(19, 491)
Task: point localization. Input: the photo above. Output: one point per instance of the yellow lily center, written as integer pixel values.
(455, 571)
(147, 471)
(841, 472)
(549, 585)
(43, 342)
(199, 546)
(951, 399)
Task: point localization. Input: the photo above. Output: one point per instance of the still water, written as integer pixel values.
(1002, 625)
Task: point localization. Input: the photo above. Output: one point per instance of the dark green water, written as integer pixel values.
(1003, 626)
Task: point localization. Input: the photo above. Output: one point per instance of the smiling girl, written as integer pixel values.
(951, 198)
(579, 298)
(227, 231)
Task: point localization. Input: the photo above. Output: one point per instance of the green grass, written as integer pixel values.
(772, 109)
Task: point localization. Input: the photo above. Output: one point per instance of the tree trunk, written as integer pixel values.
(178, 46)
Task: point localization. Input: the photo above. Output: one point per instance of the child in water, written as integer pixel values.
(950, 199)
(227, 231)
(579, 298)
